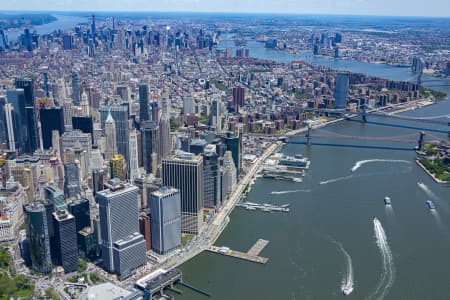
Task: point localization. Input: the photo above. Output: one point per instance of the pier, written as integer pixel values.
(252, 255)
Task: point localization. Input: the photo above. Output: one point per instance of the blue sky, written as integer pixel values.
(353, 7)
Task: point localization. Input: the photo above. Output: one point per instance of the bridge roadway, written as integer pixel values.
(211, 231)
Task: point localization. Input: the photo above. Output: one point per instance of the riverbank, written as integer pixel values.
(437, 180)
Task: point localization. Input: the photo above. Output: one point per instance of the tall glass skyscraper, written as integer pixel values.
(143, 103)
(51, 119)
(150, 142)
(120, 114)
(66, 248)
(341, 91)
(165, 207)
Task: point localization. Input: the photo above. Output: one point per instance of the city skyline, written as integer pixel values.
(433, 8)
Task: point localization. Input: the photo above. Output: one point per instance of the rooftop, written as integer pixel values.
(105, 291)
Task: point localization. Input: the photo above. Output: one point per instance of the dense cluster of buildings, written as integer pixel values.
(120, 138)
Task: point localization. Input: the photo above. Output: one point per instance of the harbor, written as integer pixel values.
(282, 167)
(251, 255)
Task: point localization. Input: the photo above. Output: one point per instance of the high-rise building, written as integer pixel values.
(229, 178)
(143, 103)
(233, 143)
(75, 89)
(10, 128)
(211, 175)
(150, 142)
(68, 112)
(98, 177)
(76, 138)
(165, 207)
(133, 162)
(155, 112)
(67, 42)
(164, 128)
(189, 106)
(118, 167)
(145, 230)
(119, 219)
(66, 248)
(84, 124)
(71, 180)
(55, 196)
(341, 91)
(38, 237)
(79, 208)
(214, 116)
(120, 114)
(238, 98)
(87, 244)
(111, 140)
(184, 171)
(129, 254)
(51, 119)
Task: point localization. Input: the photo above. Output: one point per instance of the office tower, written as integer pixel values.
(238, 98)
(3, 41)
(133, 162)
(184, 171)
(145, 229)
(211, 175)
(56, 145)
(85, 125)
(120, 115)
(9, 118)
(76, 138)
(3, 126)
(150, 142)
(214, 116)
(231, 172)
(233, 143)
(85, 108)
(18, 120)
(341, 91)
(51, 119)
(143, 103)
(197, 146)
(71, 180)
(38, 237)
(27, 41)
(96, 162)
(66, 248)
(165, 207)
(98, 177)
(87, 244)
(118, 168)
(338, 38)
(67, 42)
(110, 134)
(189, 106)
(75, 89)
(155, 112)
(27, 111)
(119, 221)
(68, 111)
(79, 208)
(12, 199)
(164, 128)
(55, 196)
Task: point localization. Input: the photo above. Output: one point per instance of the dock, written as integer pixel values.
(252, 255)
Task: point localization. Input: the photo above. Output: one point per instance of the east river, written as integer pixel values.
(329, 239)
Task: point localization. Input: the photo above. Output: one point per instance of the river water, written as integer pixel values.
(407, 259)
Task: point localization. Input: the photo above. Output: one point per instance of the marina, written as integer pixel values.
(251, 255)
(282, 167)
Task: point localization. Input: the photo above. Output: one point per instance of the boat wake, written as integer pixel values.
(360, 163)
(427, 190)
(289, 192)
(336, 179)
(387, 261)
(347, 280)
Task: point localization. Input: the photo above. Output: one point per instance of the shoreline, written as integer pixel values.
(437, 180)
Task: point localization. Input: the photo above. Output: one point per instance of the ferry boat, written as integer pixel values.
(294, 162)
(387, 201)
(347, 290)
(430, 204)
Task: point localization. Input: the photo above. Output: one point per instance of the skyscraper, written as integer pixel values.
(51, 119)
(38, 237)
(133, 162)
(120, 114)
(150, 142)
(341, 91)
(165, 207)
(143, 103)
(55, 196)
(84, 124)
(71, 180)
(211, 175)
(238, 98)
(164, 128)
(118, 168)
(110, 134)
(30, 113)
(119, 220)
(184, 171)
(79, 208)
(10, 128)
(66, 248)
(75, 89)
(234, 144)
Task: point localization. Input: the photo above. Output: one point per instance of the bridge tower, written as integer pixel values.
(421, 141)
(309, 135)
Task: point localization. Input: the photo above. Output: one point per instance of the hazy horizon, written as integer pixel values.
(390, 8)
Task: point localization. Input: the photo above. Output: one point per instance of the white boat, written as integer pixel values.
(347, 290)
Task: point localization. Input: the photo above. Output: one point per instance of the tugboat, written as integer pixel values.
(387, 201)
(430, 205)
